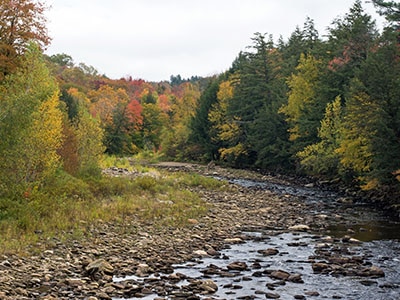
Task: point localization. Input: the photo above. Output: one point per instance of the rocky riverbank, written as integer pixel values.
(86, 269)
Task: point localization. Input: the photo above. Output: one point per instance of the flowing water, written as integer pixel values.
(380, 247)
(364, 222)
(294, 251)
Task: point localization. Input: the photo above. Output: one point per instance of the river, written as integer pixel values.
(298, 254)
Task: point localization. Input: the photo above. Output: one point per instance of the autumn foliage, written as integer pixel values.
(21, 22)
(325, 107)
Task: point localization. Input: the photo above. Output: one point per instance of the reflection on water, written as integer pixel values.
(359, 220)
(372, 231)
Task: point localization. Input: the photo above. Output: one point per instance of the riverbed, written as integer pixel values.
(261, 237)
(358, 250)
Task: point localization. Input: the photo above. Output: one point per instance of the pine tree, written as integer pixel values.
(380, 75)
(258, 93)
(200, 140)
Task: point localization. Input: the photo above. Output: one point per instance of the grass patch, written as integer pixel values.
(196, 180)
(108, 161)
(136, 163)
(67, 206)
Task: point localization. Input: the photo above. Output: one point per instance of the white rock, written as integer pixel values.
(322, 216)
(300, 227)
(201, 253)
(233, 240)
(354, 241)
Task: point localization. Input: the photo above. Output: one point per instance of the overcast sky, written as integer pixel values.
(153, 39)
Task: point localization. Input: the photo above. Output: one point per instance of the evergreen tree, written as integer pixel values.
(301, 41)
(252, 112)
(350, 40)
(380, 75)
(250, 93)
(200, 126)
(391, 11)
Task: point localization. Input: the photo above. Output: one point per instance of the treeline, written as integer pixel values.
(329, 107)
(58, 117)
(134, 115)
(323, 106)
(61, 116)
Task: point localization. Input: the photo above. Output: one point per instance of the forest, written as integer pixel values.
(327, 107)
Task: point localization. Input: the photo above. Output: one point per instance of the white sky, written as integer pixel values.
(153, 39)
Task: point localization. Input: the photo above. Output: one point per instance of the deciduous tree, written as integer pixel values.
(30, 123)
(304, 109)
(21, 22)
(321, 158)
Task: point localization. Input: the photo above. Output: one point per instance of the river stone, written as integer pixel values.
(237, 266)
(300, 227)
(296, 278)
(74, 282)
(99, 265)
(233, 240)
(368, 282)
(193, 221)
(279, 274)
(372, 271)
(269, 251)
(201, 253)
(312, 293)
(103, 296)
(142, 270)
(6, 263)
(319, 267)
(339, 260)
(208, 285)
(146, 291)
(212, 252)
(272, 295)
(322, 246)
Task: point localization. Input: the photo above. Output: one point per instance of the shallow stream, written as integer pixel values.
(380, 247)
(293, 257)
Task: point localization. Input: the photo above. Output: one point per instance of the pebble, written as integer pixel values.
(88, 268)
(272, 296)
(269, 251)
